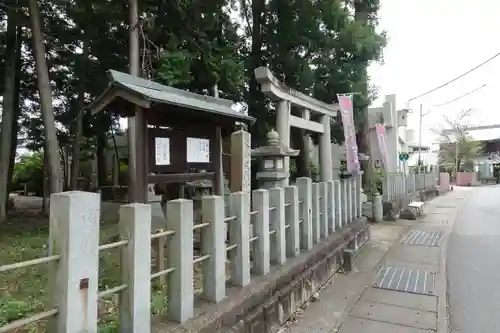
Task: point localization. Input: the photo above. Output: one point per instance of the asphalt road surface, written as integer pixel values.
(473, 263)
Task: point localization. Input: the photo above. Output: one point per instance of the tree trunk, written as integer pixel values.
(362, 126)
(17, 108)
(134, 63)
(52, 144)
(75, 161)
(102, 126)
(256, 98)
(8, 109)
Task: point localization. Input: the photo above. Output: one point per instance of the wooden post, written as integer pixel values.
(217, 163)
(141, 155)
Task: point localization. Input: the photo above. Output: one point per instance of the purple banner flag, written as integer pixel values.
(346, 112)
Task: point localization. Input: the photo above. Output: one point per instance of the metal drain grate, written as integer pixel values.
(415, 281)
(423, 238)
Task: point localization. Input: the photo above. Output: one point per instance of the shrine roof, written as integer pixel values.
(126, 88)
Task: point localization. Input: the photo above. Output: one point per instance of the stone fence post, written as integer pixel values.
(318, 232)
(338, 203)
(323, 208)
(74, 235)
(330, 206)
(214, 244)
(180, 255)
(292, 220)
(260, 203)
(135, 301)
(305, 212)
(278, 223)
(350, 199)
(239, 233)
(344, 198)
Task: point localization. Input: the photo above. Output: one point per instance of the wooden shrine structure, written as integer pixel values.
(178, 134)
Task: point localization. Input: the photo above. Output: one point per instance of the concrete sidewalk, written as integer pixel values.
(397, 284)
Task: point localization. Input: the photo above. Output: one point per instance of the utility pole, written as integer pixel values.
(419, 137)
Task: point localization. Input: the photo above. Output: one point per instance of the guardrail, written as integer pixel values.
(263, 228)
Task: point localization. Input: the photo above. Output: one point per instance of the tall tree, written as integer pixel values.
(9, 107)
(75, 165)
(457, 146)
(45, 91)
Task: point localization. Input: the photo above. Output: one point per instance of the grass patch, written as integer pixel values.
(24, 292)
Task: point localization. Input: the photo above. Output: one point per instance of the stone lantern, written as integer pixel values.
(272, 165)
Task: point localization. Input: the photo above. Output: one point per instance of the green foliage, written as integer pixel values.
(29, 170)
(468, 149)
(312, 167)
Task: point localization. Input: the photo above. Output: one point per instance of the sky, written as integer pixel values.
(432, 42)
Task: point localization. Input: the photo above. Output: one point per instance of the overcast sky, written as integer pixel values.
(433, 41)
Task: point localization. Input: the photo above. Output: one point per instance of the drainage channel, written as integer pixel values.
(423, 238)
(415, 281)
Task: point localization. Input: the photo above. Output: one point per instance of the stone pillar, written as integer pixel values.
(359, 190)
(305, 212)
(283, 129)
(330, 185)
(292, 219)
(345, 198)
(338, 204)
(239, 233)
(214, 243)
(306, 114)
(278, 245)
(180, 255)
(323, 209)
(240, 162)
(350, 199)
(74, 235)
(260, 203)
(325, 151)
(317, 232)
(135, 301)
(377, 208)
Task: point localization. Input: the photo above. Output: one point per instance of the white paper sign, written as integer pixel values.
(198, 150)
(162, 151)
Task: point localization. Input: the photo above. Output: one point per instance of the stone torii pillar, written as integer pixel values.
(285, 98)
(283, 129)
(325, 151)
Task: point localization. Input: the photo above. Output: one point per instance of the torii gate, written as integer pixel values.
(285, 97)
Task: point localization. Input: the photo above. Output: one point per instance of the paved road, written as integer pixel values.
(474, 263)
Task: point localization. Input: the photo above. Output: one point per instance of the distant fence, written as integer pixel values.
(397, 185)
(265, 227)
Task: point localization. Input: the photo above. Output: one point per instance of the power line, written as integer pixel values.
(459, 97)
(455, 79)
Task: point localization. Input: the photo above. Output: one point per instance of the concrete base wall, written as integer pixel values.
(269, 301)
(391, 210)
